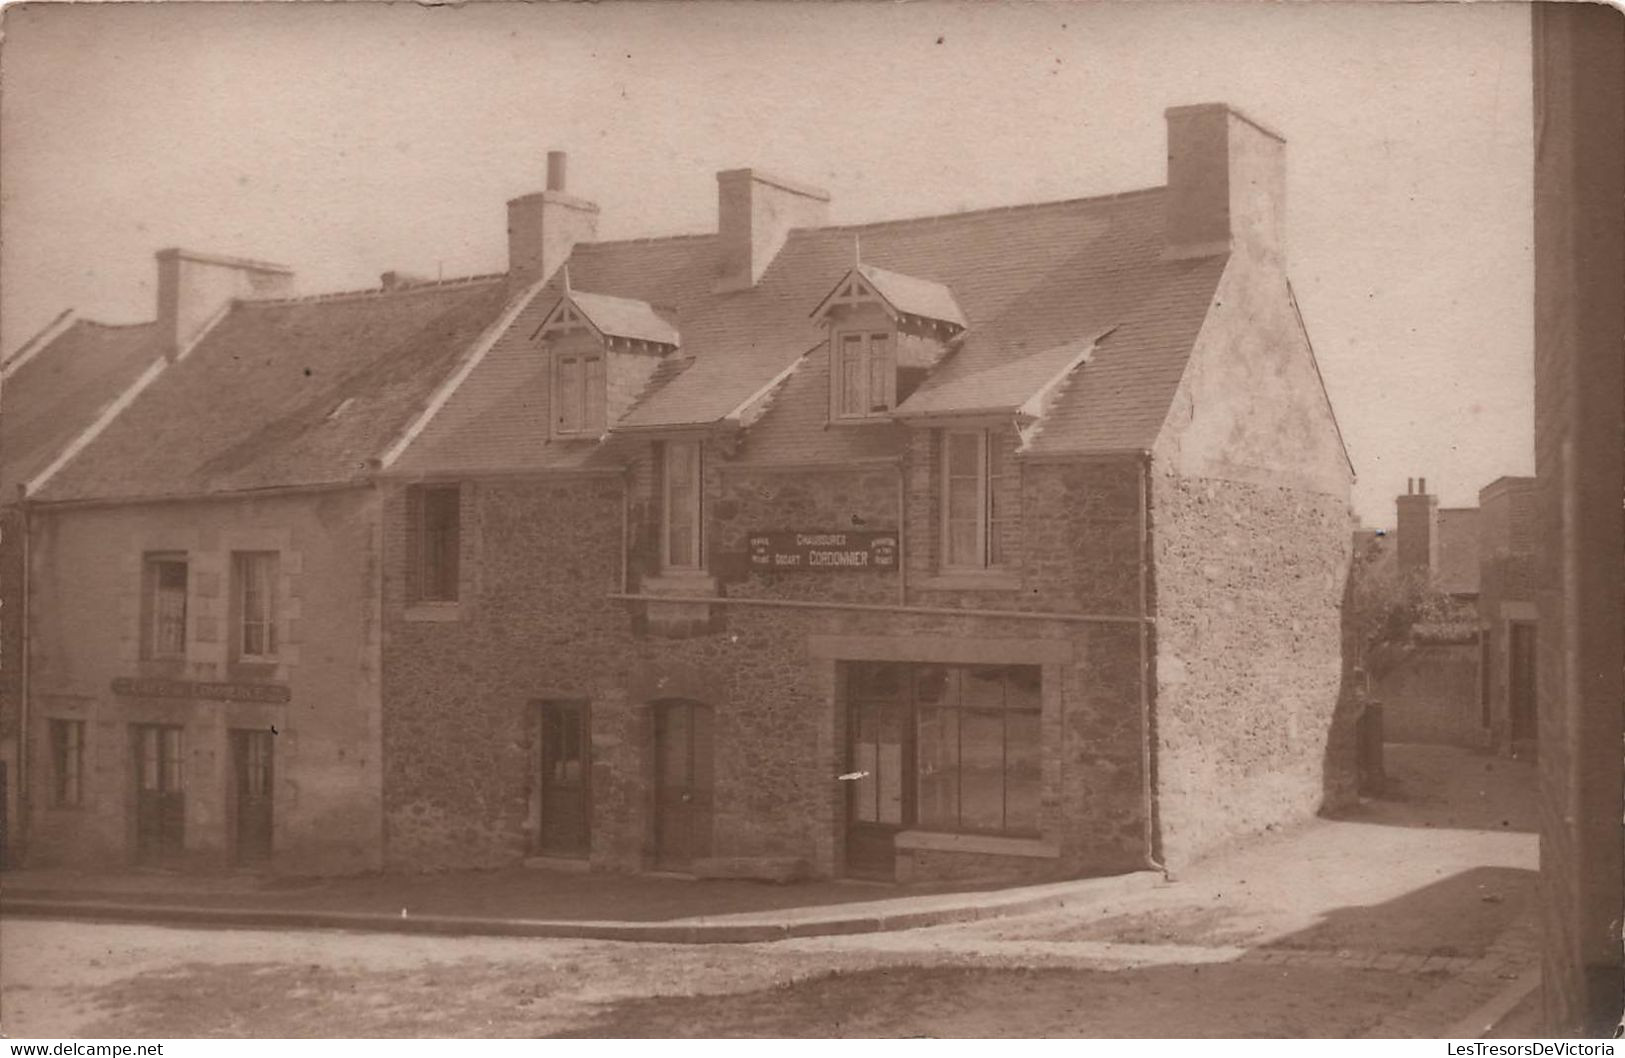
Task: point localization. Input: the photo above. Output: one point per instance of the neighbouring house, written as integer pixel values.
(1006, 543)
(204, 567)
(1508, 619)
(52, 388)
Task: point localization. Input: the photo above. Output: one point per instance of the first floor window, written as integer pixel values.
(578, 393)
(164, 605)
(976, 499)
(945, 747)
(435, 512)
(682, 488)
(67, 763)
(254, 576)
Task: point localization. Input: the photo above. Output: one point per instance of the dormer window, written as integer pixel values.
(589, 338)
(871, 315)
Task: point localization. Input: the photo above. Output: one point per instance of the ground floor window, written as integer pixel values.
(67, 763)
(945, 747)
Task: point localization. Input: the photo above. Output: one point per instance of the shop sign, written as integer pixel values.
(821, 551)
(142, 687)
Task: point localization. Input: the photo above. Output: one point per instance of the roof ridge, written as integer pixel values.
(1013, 208)
(341, 295)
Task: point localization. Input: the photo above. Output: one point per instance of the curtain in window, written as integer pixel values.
(682, 504)
(963, 499)
(169, 609)
(256, 573)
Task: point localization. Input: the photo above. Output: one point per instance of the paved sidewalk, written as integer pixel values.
(547, 904)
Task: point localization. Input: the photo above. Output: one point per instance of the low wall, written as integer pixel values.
(1430, 693)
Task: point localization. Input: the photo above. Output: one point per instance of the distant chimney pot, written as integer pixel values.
(1422, 486)
(556, 162)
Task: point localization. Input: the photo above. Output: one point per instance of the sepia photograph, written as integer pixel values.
(866, 520)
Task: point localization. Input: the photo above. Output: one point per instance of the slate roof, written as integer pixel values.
(294, 392)
(50, 398)
(625, 318)
(1031, 282)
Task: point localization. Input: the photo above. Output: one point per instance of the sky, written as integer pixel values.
(346, 140)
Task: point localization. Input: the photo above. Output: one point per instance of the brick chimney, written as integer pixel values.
(194, 287)
(1417, 528)
(755, 214)
(1226, 183)
(545, 226)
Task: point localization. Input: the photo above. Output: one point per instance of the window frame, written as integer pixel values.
(243, 565)
(436, 573)
(67, 784)
(992, 468)
(153, 613)
(586, 395)
(696, 514)
(866, 367)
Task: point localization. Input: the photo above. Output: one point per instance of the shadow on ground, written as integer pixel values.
(1460, 916)
(1448, 788)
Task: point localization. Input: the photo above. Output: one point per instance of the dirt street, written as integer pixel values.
(1335, 928)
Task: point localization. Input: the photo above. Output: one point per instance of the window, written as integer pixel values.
(865, 374)
(254, 578)
(67, 763)
(680, 540)
(945, 747)
(435, 512)
(976, 500)
(578, 393)
(978, 731)
(164, 606)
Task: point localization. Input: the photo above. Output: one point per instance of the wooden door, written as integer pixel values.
(879, 759)
(160, 795)
(565, 780)
(683, 780)
(1521, 680)
(254, 787)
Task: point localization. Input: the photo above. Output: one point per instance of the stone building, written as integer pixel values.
(202, 682)
(54, 386)
(1007, 543)
(1003, 543)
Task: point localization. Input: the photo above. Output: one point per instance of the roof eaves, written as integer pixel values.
(755, 406)
(1035, 407)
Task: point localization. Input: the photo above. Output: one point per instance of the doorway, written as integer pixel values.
(252, 752)
(683, 780)
(160, 795)
(565, 781)
(1521, 680)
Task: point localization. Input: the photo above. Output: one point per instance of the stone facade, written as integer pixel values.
(1249, 589)
(538, 623)
(88, 624)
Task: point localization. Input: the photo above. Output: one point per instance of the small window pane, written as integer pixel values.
(567, 401)
(851, 374)
(594, 397)
(880, 368)
(981, 770)
(1021, 772)
(938, 765)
